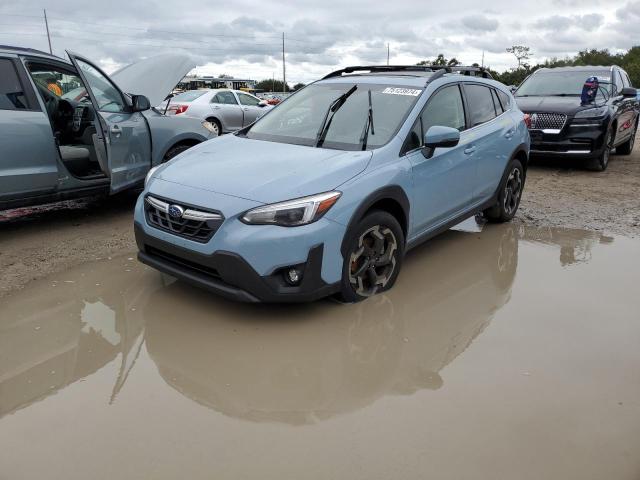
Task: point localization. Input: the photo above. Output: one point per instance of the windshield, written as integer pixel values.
(300, 118)
(189, 96)
(561, 83)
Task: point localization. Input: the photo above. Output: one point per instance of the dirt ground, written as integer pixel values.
(45, 240)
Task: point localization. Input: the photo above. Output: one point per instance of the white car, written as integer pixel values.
(226, 110)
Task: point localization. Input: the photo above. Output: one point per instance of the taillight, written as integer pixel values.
(178, 109)
(527, 120)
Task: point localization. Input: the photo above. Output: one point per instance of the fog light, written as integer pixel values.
(293, 276)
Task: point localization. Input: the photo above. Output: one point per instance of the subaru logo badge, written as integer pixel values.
(175, 211)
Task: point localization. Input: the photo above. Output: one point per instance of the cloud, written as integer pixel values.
(480, 23)
(559, 23)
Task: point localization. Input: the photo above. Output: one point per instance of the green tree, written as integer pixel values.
(440, 60)
(521, 53)
(298, 86)
(271, 85)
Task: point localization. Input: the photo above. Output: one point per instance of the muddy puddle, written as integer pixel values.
(507, 353)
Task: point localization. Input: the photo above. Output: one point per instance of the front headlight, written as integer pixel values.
(150, 174)
(292, 213)
(592, 112)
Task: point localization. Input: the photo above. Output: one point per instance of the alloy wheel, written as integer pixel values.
(604, 161)
(513, 191)
(214, 126)
(373, 261)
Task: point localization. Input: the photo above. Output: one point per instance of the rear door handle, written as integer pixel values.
(510, 133)
(469, 150)
(216, 107)
(246, 109)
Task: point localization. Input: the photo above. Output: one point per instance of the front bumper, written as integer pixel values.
(229, 275)
(244, 262)
(577, 141)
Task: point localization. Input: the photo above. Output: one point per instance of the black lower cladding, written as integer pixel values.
(575, 140)
(230, 275)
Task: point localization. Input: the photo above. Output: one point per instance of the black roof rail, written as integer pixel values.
(464, 70)
(24, 49)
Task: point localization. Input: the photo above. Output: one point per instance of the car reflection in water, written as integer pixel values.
(292, 364)
(305, 364)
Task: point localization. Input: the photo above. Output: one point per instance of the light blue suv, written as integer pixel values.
(326, 192)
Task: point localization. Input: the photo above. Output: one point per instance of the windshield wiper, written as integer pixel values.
(331, 111)
(564, 95)
(368, 125)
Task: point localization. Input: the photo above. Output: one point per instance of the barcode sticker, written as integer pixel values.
(402, 91)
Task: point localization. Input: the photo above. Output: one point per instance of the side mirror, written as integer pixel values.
(140, 103)
(512, 88)
(263, 103)
(628, 92)
(439, 137)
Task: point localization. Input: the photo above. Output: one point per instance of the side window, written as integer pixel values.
(504, 100)
(496, 102)
(248, 100)
(444, 108)
(107, 95)
(480, 104)
(625, 79)
(225, 98)
(11, 92)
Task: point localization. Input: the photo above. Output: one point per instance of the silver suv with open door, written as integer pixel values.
(67, 129)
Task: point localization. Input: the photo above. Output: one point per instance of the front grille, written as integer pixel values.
(194, 224)
(548, 121)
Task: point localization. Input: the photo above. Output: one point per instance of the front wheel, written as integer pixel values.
(373, 258)
(509, 195)
(601, 163)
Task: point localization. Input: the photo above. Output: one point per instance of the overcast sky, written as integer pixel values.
(243, 37)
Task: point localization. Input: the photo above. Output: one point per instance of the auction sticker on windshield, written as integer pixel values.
(402, 91)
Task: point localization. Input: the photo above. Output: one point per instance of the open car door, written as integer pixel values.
(126, 140)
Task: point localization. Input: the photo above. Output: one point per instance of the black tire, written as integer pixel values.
(601, 163)
(510, 194)
(217, 126)
(175, 151)
(627, 147)
(375, 249)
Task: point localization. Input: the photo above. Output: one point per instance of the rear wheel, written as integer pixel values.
(601, 163)
(627, 147)
(215, 125)
(373, 258)
(509, 196)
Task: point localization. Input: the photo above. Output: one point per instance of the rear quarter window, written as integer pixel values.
(12, 95)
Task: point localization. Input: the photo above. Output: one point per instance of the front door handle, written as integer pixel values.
(509, 134)
(469, 150)
(116, 130)
(216, 107)
(246, 109)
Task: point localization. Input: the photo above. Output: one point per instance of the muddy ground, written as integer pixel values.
(37, 242)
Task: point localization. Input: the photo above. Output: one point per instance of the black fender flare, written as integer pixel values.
(389, 192)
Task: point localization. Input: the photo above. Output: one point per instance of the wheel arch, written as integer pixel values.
(190, 141)
(391, 199)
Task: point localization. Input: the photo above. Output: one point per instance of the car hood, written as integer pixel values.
(566, 105)
(263, 171)
(154, 77)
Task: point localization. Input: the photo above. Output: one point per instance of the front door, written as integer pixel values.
(126, 135)
(442, 184)
(225, 108)
(250, 108)
(28, 160)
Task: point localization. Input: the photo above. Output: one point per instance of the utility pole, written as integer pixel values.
(387, 53)
(46, 24)
(273, 82)
(482, 58)
(284, 71)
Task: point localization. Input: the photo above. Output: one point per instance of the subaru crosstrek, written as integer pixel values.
(325, 193)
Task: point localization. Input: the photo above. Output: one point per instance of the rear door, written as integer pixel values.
(442, 184)
(126, 134)
(28, 153)
(250, 108)
(491, 135)
(627, 109)
(225, 108)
